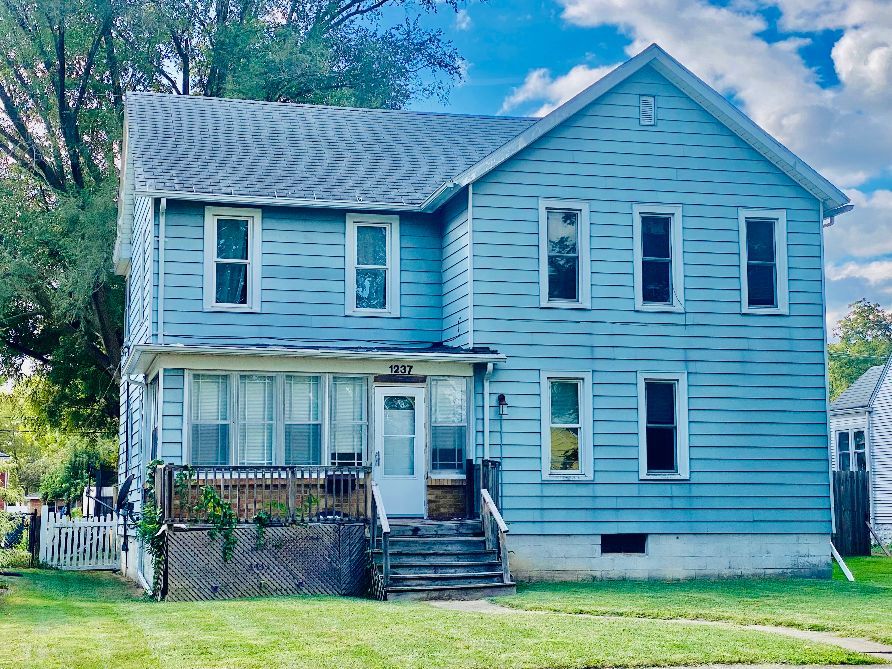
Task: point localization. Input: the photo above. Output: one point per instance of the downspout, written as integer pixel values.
(487, 375)
(162, 220)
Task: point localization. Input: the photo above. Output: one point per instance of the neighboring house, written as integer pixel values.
(4, 476)
(861, 438)
(619, 307)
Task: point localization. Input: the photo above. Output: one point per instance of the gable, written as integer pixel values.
(859, 394)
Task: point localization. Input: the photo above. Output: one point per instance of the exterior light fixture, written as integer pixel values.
(503, 405)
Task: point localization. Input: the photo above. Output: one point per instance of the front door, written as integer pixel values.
(398, 460)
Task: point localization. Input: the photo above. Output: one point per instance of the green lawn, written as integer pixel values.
(862, 609)
(78, 621)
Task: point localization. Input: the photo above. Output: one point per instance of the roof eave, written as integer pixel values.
(234, 198)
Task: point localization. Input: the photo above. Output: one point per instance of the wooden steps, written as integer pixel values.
(442, 560)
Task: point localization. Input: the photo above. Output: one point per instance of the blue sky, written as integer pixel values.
(817, 74)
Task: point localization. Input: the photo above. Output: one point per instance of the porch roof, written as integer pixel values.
(142, 355)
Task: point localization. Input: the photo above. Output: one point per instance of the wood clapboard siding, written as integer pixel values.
(170, 447)
(881, 451)
(757, 414)
(139, 308)
(303, 284)
(456, 272)
(131, 454)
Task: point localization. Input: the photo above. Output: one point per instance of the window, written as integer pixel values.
(449, 424)
(564, 248)
(566, 425)
(659, 266)
(763, 261)
(209, 439)
(662, 425)
(256, 419)
(851, 450)
(349, 419)
(373, 265)
(623, 543)
(303, 420)
(232, 252)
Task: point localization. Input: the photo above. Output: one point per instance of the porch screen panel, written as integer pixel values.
(209, 438)
(449, 424)
(303, 420)
(256, 419)
(349, 420)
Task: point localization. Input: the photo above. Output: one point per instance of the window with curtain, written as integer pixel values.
(256, 419)
(371, 266)
(565, 429)
(761, 263)
(349, 419)
(303, 420)
(210, 419)
(662, 432)
(449, 424)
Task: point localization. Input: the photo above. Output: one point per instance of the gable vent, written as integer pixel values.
(647, 110)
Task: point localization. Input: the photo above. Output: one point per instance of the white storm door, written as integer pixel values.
(398, 461)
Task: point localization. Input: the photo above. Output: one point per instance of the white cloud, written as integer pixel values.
(875, 273)
(539, 85)
(463, 19)
(864, 233)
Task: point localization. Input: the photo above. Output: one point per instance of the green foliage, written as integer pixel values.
(263, 519)
(864, 340)
(149, 526)
(221, 517)
(68, 478)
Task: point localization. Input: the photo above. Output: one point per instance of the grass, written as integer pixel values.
(861, 609)
(85, 621)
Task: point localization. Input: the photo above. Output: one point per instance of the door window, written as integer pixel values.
(399, 435)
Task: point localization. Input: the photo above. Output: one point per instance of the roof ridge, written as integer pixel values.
(304, 105)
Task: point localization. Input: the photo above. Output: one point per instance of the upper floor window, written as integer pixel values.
(232, 251)
(763, 261)
(566, 425)
(564, 243)
(659, 265)
(851, 450)
(663, 425)
(373, 265)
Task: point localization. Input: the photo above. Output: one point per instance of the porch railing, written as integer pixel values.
(483, 475)
(303, 493)
(495, 531)
(380, 525)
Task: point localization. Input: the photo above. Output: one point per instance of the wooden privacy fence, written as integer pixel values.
(79, 543)
(851, 511)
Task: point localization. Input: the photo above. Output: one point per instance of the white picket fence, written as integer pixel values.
(79, 543)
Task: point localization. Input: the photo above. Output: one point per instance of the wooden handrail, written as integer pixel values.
(495, 537)
(382, 514)
(497, 517)
(379, 517)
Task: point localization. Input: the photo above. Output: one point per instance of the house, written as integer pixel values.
(595, 338)
(861, 439)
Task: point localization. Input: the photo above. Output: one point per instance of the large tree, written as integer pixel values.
(864, 339)
(64, 70)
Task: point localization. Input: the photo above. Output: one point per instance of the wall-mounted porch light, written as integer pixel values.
(503, 405)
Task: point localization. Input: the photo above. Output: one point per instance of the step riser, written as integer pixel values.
(475, 568)
(439, 558)
(429, 529)
(436, 545)
(412, 581)
(483, 592)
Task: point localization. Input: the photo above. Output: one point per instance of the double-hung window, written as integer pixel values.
(564, 250)
(449, 424)
(851, 450)
(763, 261)
(232, 253)
(209, 440)
(663, 425)
(566, 425)
(659, 265)
(372, 265)
(349, 419)
(303, 420)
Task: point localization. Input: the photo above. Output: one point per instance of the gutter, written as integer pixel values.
(831, 214)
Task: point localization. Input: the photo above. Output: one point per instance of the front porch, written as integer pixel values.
(325, 530)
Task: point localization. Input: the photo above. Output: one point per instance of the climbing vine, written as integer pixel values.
(221, 517)
(149, 527)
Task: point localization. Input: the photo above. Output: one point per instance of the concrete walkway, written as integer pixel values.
(875, 649)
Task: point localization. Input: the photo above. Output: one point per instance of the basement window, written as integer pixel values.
(623, 543)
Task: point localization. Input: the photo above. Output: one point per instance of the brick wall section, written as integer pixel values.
(445, 498)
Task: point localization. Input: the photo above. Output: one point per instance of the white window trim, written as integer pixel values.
(681, 422)
(851, 429)
(469, 400)
(392, 223)
(676, 251)
(586, 458)
(255, 254)
(780, 249)
(584, 277)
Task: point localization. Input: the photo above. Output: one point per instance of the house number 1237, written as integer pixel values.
(401, 369)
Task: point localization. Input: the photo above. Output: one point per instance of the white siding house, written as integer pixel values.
(861, 434)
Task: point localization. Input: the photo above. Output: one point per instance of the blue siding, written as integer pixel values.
(303, 284)
(171, 447)
(756, 383)
(140, 281)
(456, 270)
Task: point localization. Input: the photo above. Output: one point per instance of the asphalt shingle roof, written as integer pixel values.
(858, 395)
(241, 148)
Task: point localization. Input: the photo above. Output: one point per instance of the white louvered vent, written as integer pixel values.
(647, 110)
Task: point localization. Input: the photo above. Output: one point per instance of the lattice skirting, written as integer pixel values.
(318, 559)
